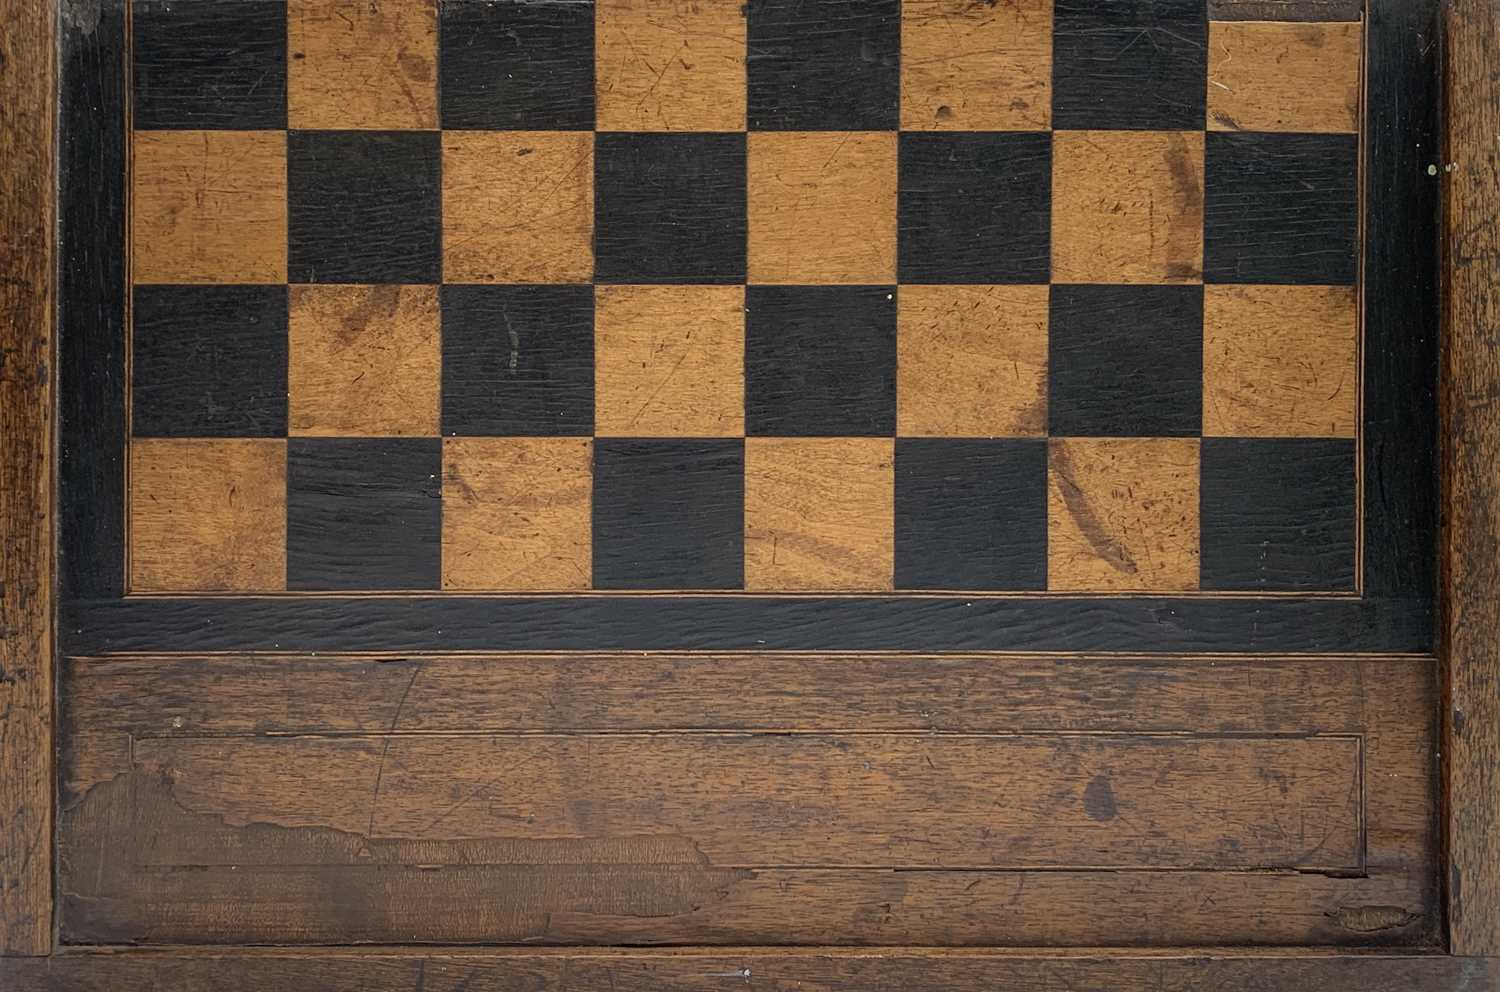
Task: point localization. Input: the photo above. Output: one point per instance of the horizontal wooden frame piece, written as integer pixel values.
(733, 970)
(691, 799)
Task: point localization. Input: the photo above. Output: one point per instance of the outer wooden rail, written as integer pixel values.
(27, 95)
(1471, 376)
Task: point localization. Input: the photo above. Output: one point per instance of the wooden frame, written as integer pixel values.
(1470, 171)
(1471, 554)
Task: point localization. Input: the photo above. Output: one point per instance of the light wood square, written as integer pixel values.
(208, 207)
(354, 64)
(207, 515)
(819, 514)
(518, 206)
(364, 361)
(516, 513)
(1127, 207)
(669, 361)
(822, 207)
(971, 361)
(1280, 361)
(670, 65)
(1265, 76)
(976, 66)
(1122, 515)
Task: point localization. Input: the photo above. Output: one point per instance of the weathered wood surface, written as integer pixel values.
(741, 799)
(26, 376)
(1472, 545)
(1285, 10)
(768, 970)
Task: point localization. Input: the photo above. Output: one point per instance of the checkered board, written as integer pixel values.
(786, 296)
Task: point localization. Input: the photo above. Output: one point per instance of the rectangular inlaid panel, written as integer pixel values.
(742, 798)
(786, 296)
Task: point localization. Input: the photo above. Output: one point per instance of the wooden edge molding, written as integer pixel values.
(27, 93)
(1471, 387)
(734, 970)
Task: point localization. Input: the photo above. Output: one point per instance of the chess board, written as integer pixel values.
(986, 297)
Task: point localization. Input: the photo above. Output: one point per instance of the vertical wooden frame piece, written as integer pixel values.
(1471, 542)
(26, 198)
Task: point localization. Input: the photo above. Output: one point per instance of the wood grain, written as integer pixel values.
(209, 207)
(574, 846)
(362, 64)
(207, 515)
(364, 361)
(819, 513)
(971, 361)
(1284, 77)
(518, 206)
(669, 361)
(1280, 361)
(753, 800)
(1122, 514)
(27, 92)
(969, 66)
(670, 65)
(1127, 207)
(813, 969)
(1286, 10)
(516, 513)
(822, 207)
(1471, 367)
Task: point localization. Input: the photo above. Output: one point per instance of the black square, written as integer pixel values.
(971, 513)
(209, 66)
(363, 513)
(209, 361)
(1125, 361)
(1129, 65)
(833, 65)
(1278, 514)
(364, 206)
(820, 361)
(669, 514)
(976, 208)
(669, 208)
(1281, 208)
(517, 65)
(518, 360)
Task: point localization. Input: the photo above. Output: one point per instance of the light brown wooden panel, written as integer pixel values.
(1472, 540)
(807, 799)
(26, 377)
(285, 850)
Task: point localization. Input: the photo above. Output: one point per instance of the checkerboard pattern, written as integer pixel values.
(771, 296)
